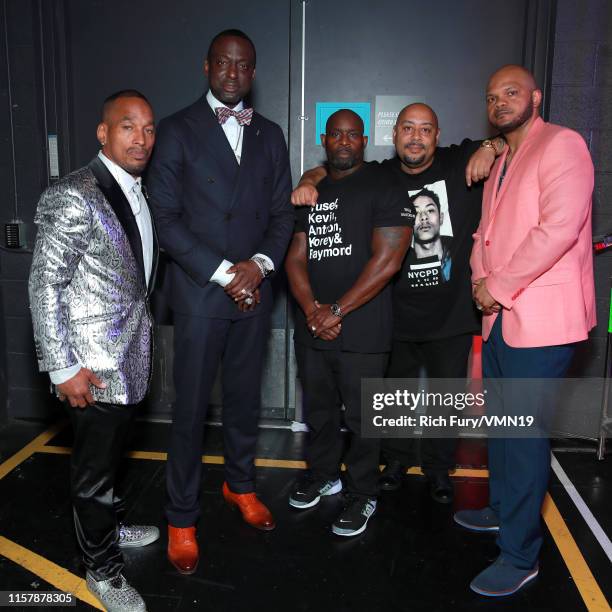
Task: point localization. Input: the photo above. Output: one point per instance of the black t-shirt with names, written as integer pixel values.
(339, 231)
(432, 295)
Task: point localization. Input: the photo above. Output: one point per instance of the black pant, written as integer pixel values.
(446, 358)
(200, 345)
(327, 376)
(100, 433)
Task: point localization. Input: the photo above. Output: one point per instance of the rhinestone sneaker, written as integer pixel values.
(134, 536)
(115, 594)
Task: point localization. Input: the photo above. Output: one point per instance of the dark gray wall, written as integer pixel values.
(580, 99)
(23, 175)
(159, 48)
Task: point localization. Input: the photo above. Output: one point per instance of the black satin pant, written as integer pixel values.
(100, 433)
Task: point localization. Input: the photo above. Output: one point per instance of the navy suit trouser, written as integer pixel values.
(201, 344)
(519, 468)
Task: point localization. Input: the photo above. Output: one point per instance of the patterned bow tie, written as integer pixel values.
(243, 117)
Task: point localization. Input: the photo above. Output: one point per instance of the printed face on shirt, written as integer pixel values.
(428, 219)
(230, 69)
(416, 135)
(127, 134)
(343, 140)
(512, 98)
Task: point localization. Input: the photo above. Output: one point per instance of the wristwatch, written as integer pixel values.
(263, 265)
(497, 143)
(336, 310)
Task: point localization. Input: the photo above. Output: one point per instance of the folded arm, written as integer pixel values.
(306, 194)
(64, 227)
(389, 246)
(296, 266)
(271, 250)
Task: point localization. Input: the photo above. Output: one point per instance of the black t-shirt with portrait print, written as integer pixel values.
(432, 295)
(339, 231)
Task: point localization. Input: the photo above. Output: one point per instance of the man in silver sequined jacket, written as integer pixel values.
(92, 273)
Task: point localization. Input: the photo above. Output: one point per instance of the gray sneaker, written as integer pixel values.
(134, 536)
(354, 518)
(115, 594)
(307, 491)
(482, 520)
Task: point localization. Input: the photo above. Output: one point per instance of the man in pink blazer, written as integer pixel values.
(532, 275)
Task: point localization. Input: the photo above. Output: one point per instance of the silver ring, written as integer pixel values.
(243, 291)
(248, 301)
(479, 306)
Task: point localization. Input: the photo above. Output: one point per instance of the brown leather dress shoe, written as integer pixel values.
(253, 511)
(183, 550)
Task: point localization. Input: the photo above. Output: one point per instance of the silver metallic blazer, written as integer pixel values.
(88, 296)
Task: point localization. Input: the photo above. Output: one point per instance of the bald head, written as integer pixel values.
(513, 73)
(418, 110)
(513, 98)
(344, 115)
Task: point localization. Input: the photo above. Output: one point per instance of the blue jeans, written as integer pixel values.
(519, 468)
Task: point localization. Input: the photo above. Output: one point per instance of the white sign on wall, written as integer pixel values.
(386, 111)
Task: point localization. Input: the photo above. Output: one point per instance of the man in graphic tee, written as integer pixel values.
(433, 314)
(343, 254)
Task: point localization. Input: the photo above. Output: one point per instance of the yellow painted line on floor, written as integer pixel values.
(50, 572)
(29, 449)
(150, 455)
(458, 473)
(281, 463)
(584, 580)
(55, 450)
(293, 464)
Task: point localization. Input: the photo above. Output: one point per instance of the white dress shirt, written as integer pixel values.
(234, 133)
(132, 189)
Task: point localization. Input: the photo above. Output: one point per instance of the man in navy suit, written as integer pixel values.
(220, 189)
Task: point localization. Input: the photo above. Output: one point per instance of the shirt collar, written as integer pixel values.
(125, 179)
(214, 103)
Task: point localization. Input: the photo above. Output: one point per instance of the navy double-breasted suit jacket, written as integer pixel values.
(208, 208)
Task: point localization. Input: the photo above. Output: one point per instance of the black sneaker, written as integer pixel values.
(307, 491)
(392, 475)
(354, 518)
(440, 486)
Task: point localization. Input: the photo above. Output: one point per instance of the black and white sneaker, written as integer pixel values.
(308, 491)
(354, 518)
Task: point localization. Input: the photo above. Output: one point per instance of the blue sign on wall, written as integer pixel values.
(325, 109)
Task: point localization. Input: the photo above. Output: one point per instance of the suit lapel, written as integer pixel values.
(213, 137)
(250, 150)
(497, 190)
(155, 262)
(118, 202)
(538, 124)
